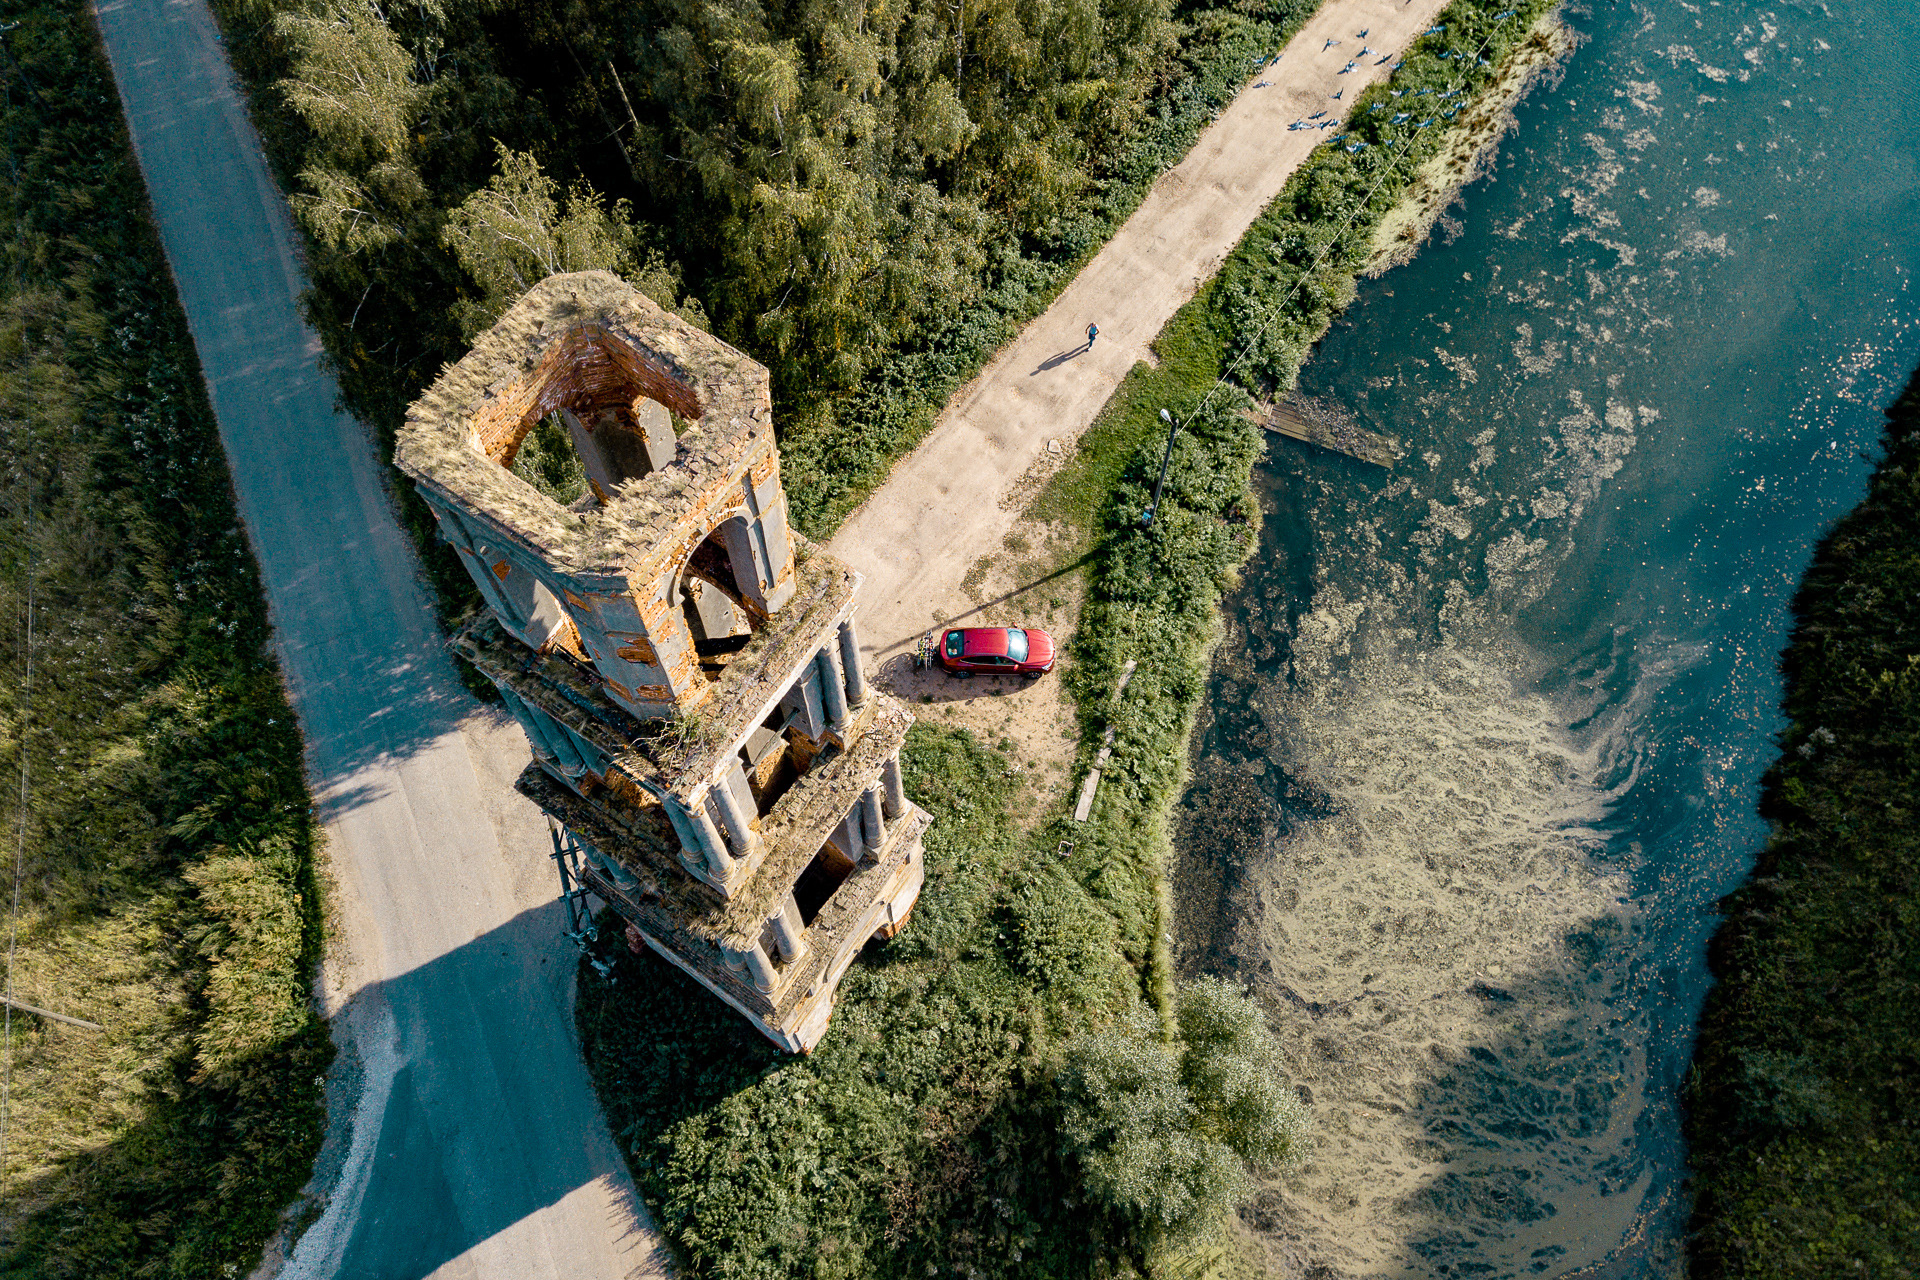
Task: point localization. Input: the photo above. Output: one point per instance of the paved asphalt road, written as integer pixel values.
(476, 1146)
(958, 495)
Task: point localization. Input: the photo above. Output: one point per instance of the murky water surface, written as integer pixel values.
(1484, 738)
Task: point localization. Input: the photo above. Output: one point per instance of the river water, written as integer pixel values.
(1483, 739)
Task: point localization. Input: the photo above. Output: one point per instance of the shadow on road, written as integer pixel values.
(903, 647)
(488, 1120)
(1055, 361)
(389, 711)
(899, 677)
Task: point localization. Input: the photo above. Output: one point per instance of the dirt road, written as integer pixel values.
(949, 503)
(475, 1147)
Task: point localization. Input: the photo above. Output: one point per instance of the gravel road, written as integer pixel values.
(475, 1147)
(953, 500)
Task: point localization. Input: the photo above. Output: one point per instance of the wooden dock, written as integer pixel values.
(1299, 418)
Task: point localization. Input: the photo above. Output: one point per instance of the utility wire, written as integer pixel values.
(1274, 313)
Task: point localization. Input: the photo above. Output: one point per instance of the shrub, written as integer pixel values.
(1164, 1135)
(1235, 1071)
(1130, 1125)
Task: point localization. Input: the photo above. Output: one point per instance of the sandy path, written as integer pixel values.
(467, 1143)
(952, 500)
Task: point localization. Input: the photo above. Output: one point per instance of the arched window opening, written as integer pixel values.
(717, 614)
(818, 883)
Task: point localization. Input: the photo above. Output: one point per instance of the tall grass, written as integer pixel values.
(168, 889)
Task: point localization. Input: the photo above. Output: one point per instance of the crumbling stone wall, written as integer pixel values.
(686, 672)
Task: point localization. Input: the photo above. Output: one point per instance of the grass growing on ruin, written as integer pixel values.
(1807, 1069)
(169, 889)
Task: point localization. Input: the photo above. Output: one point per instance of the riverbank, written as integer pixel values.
(1804, 1087)
(1033, 929)
(1497, 715)
(1467, 152)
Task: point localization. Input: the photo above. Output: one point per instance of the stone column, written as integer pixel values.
(708, 837)
(805, 699)
(850, 834)
(850, 659)
(606, 480)
(739, 823)
(895, 786)
(832, 689)
(621, 877)
(873, 826)
(690, 851)
(656, 430)
(788, 932)
(748, 952)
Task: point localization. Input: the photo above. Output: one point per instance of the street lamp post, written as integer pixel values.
(1173, 429)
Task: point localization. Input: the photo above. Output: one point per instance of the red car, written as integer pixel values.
(999, 651)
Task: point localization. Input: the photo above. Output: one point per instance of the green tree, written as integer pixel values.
(1166, 1136)
(354, 85)
(1235, 1072)
(1131, 1125)
(519, 229)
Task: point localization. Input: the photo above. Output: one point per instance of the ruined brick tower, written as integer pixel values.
(683, 665)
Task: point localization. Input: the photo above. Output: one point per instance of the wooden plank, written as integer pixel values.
(1092, 783)
(1296, 423)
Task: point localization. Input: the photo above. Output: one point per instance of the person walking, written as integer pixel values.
(1093, 331)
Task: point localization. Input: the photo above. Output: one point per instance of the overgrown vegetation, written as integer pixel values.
(870, 200)
(1013, 1086)
(990, 1088)
(167, 888)
(1807, 1070)
(1152, 592)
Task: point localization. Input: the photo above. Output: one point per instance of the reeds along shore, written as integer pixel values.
(1807, 1069)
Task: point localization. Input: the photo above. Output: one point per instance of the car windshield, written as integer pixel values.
(1017, 645)
(954, 640)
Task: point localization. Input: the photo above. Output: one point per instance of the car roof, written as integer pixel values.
(984, 642)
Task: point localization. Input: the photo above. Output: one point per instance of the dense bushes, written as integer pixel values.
(168, 889)
(994, 1098)
(918, 1138)
(867, 200)
(1807, 1070)
(1162, 1135)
